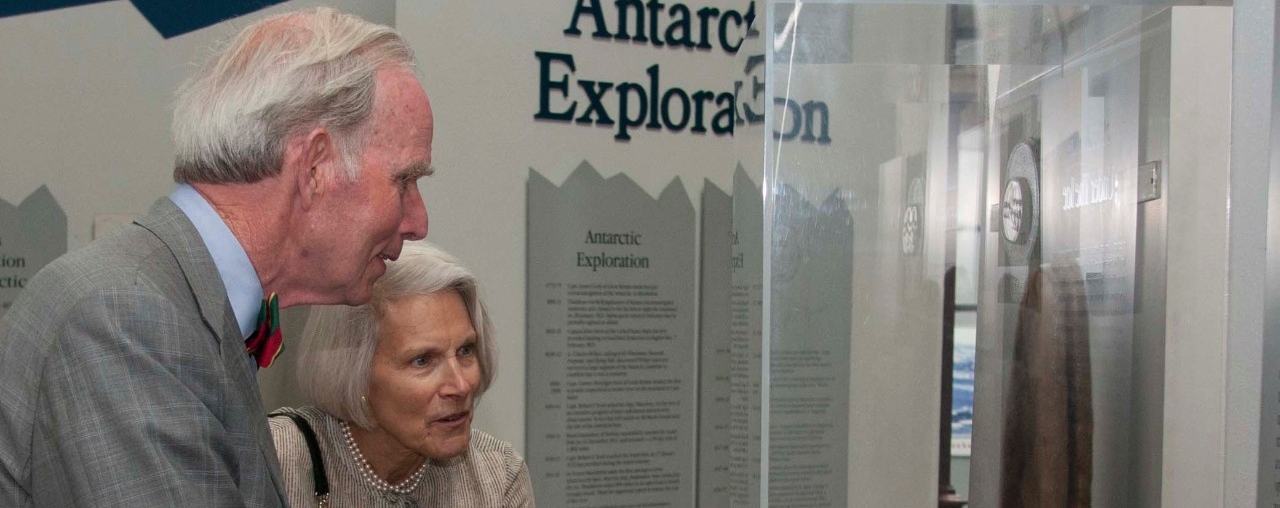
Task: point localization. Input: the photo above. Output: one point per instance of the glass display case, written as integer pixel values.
(971, 213)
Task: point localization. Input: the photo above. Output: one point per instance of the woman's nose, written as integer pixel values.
(457, 378)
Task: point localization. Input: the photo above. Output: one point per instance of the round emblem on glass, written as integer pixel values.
(912, 218)
(1014, 214)
(910, 229)
(1020, 204)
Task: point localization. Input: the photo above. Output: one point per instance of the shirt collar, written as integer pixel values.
(244, 290)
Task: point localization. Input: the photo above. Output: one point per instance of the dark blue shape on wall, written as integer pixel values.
(173, 18)
(16, 7)
(170, 17)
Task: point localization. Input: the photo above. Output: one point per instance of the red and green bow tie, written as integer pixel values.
(266, 342)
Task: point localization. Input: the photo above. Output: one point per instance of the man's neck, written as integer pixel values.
(258, 215)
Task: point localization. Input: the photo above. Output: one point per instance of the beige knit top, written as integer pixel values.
(489, 474)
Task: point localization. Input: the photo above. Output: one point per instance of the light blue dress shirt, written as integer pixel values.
(244, 290)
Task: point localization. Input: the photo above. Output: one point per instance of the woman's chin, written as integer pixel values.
(450, 447)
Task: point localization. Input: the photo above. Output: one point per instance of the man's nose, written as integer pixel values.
(414, 225)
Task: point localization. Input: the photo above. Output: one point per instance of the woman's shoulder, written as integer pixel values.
(498, 457)
(482, 441)
(294, 452)
(495, 453)
(286, 419)
(286, 430)
(308, 412)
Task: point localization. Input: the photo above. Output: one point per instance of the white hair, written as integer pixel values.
(336, 351)
(279, 78)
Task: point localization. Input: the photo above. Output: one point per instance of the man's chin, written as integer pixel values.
(362, 290)
(361, 296)
(358, 295)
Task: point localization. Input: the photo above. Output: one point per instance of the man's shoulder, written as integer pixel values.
(135, 255)
(129, 258)
(112, 276)
(129, 269)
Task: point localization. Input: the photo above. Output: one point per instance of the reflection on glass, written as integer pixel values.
(1048, 447)
(986, 160)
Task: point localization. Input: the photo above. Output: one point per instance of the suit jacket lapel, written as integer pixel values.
(172, 227)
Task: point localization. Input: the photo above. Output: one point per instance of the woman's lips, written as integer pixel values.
(453, 419)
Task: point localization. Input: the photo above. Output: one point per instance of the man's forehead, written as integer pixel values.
(399, 83)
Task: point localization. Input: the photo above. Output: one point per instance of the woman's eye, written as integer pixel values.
(467, 351)
(421, 361)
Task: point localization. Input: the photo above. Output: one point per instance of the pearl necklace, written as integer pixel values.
(404, 487)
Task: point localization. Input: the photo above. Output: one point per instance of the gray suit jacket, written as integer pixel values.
(124, 380)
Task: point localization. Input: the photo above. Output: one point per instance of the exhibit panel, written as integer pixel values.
(746, 402)
(32, 234)
(611, 372)
(715, 386)
(982, 188)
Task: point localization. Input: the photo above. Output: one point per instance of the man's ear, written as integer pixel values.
(315, 165)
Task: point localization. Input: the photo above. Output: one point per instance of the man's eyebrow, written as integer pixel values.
(414, 172)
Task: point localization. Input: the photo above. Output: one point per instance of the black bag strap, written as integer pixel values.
(317, 462)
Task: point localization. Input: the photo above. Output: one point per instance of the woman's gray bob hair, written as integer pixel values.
(338, 343)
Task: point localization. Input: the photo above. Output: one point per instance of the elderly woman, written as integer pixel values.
(394, 382)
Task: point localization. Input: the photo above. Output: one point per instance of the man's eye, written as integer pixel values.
(403, 181)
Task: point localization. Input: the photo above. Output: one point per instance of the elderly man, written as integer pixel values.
(125, 378)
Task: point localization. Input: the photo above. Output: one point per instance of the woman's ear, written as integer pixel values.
(368, 411)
